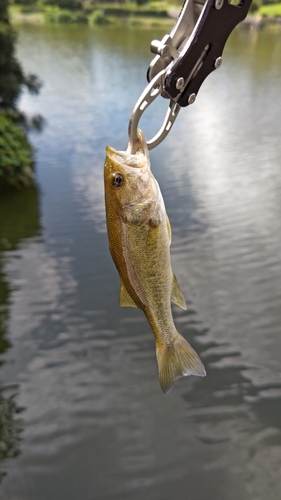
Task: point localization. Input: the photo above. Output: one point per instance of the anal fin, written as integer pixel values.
(177, 296)
(125, 300)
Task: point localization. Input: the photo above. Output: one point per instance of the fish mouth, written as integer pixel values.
(140, 146)
(140, 159)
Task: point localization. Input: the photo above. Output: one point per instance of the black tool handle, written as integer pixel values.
(204, 50)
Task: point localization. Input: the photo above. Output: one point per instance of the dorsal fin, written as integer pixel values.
(177, 296)
(125, 299)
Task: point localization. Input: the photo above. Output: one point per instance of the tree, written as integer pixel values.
(12, 77)
(15, 151)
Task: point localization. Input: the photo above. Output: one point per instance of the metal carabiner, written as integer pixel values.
(153, 90)
(167, 53)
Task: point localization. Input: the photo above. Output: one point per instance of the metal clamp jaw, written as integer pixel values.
(185, 58)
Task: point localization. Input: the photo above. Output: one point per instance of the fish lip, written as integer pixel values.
(140, 147)
(139, 160)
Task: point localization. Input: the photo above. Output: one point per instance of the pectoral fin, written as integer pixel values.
(177, 296)
(125, 299)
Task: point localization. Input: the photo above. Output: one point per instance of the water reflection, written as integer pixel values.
(237, 257)
(240, 421)
(96, 424)
(19, 221)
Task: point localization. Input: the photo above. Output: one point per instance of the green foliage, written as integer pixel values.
(25, 2)
(133, 11)
(254, 6)
(11, 75)
(16, 162)
(141, 2)
(65, 4)
(273, 10)
(4, 11)
(97, 17)
(57, 15)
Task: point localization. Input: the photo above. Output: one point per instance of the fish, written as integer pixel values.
(139, 238)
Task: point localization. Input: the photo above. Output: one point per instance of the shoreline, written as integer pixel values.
(101, 15)
(258, 21)
(118, 16)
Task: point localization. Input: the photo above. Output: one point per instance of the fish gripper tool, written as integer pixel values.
(184, 58)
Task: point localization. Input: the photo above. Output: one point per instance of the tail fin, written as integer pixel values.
(177, 360)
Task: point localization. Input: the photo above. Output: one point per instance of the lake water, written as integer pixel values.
(82, 415)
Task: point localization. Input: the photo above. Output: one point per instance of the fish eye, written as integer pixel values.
(117, 180)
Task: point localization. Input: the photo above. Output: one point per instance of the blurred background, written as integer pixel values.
(82, 415)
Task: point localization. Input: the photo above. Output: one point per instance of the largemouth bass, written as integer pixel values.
(139, 235)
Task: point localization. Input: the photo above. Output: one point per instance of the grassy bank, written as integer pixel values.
(129, 14)
(151, 14)
(270, 10)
